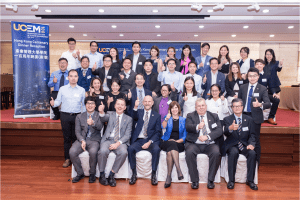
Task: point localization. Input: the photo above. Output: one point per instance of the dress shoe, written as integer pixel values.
(154, 180)
(271, 121)
(92, 178)
(112, 181)
(210, 185)
(133, 179)
(103, 180)
(180, 177)
(167, 185)
(230, 185)
(67, 163)
(195, 185)
(77, 178)
(56, 118)
(168, 181)
(252, 185)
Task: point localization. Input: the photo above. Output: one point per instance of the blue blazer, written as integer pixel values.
(154, 126)
(169, 128)
(202, 70)
(85, 82)
(220, 81)
(274, 79)
(134, 98)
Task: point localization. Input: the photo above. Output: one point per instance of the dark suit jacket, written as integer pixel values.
(125, 127)
(192, 120)
(271, 70)
(129, 83)
(229, 85)
(247, 137)
(81, 127)
(202, 70)
(172, 97)
(154, 83)
(140, 63)
(134, 98)
(85, 82)
(220, 81)
(256, 113)
(117, 66)
(154, 126)
(112, 73)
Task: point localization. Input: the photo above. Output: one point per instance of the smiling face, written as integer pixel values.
(148, 67)
(237, 108)
(201, 107)
(253, 77)
(72, 45)
(234, 69)
(174, 110)
(205, 50)
(215, 92)
(63, 65)
(127, 64)
(214, 65)
(90, 106)
(139, 80)
(171, 53)
(269, 56)
(186, 52)
(189, 84)
(192, 68)
(260, 66)
(136, 48)
(113, 53)
(115, 87)
(73, 77)
(85, 63)
(120, 106)
(93, 47)
(165, 91)
(153, 52)
(148, 102)
(96, 84)
(243, 54)
(223, 51)
(171, 65)
(107, 62)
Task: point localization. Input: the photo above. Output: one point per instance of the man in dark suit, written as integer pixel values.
(240, 133)
(116, 139)
(146, 136)
(87, 130)
(106, 73)
(137, 58)
(151, 82)
(85, 73)
(137, 92)
(255, 100)
(127, 76)
(204, 132)
(211, 77)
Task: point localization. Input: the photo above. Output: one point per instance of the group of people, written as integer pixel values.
(198, 105)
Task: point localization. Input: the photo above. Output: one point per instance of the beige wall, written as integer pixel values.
(288, 52)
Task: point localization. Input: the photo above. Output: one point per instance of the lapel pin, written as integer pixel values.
(152, 115)
(245, 120)
(209, 120)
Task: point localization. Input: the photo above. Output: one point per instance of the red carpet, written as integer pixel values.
(284, 118)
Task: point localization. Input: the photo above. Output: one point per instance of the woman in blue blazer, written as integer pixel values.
(173, 139)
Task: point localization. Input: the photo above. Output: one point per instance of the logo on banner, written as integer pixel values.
(29, 28)
(104, 50)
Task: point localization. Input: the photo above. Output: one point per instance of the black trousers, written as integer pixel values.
(56, 109)
(211, 150)
(274, 107)
(233, 155)
(68, 128)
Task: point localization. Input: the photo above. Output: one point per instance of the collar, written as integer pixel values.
(63, 72)
(205, 115)
(90, 114)
(149, 112)
(253, 85)
(76, 86)
(84, 69)
(136, 55)
(213, 73)
(236, 118)
(262, 73)
(93, 53)
(128, 72)
(119, 115)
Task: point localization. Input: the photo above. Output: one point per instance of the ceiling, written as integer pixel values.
(218, 27)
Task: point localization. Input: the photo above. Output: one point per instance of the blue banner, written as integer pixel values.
(145, 48)
(30, 50)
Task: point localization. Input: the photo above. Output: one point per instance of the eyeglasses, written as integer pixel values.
(253, 76)
(107, 60)
(171, 64)
(90, 103)
(94, 46)
(165, 90)
(237, 106)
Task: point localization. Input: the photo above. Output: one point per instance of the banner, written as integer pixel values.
(30, 50)
(145, 48)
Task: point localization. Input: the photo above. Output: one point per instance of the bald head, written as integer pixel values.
(148, 102)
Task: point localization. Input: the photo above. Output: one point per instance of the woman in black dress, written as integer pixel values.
(115, 94)
(117, 64)
(173, 139)
(224, 60)
(96, 90)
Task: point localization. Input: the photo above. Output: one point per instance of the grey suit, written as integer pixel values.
(125, 128)
(92, 142)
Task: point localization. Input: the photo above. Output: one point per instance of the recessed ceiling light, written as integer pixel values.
(101, 10)
(233, 35)
(196, 35)
(210, 11)
(291, 27)
(71, 26)
(272, 35)
(201, 26)
(114, 26)
(121, 35)
(245, 27)
(48, 11)
(157, 26)
(84, 34)
(158, 35)
(155, 11)
(265, 11)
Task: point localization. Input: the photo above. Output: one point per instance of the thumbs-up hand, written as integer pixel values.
(101, 108)
(244, 76)
(201, 124)
(222, 98)
(204, 79)
(201, 64)
(167, 58)
(124, 53)
(185, 98)
(92, 90)
(154, 94)
(52, 102)
(78, 52)
(129, 95)
(94, 66)
(168, 115)
(281, 63)
(74, 55)
(173, 87)
(54, 79)
(163, 68)
(90, 121)
(233, 126)
(121, 76)
(256, 103)
(137, 102)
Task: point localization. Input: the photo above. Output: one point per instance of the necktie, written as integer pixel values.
(204, 131)
(141, 100)
(84, 73)
(249, 99)
(240, 145)
(62, 80)
(88, 131)
(117, 127)
(146, 122)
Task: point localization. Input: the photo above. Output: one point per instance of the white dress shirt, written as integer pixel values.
(207, 129)
(141, 135)
(73, 63)
(167, 77)
(218, 107)
(112, 134)
(95, 58)
(134, 61)
(197, 79)
(249, 87)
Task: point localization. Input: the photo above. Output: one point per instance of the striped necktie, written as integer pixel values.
(240, 145)
(146, 122)
(204, 131)
(141, 106)
(117, 127)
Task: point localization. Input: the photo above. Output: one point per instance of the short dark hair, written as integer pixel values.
(121, 99)
(193, 62)
(214, 58)
(136, 42)
(127, 59)
(89, 98)
(171, 59)
(62, 59)
(140, 74)
(236, 100)
(253, 69)
(156, 48)
(148, 60)
(93, 42)
(107, 56)
(260, 61)
(116, 80)
(71, 39)
(85, 57)
(72, 70)
(246, 49)
(273, 55)
(166, 85)
(205, 44)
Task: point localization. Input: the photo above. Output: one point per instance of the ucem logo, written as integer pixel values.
(29, 28)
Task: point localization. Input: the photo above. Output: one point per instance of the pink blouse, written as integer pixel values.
(186, 67)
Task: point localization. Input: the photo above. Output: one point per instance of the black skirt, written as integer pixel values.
(171, 145)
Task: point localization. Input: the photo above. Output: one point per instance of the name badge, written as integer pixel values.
(76, 95)
(207, 63)
(170, 101)
(101, 97)
(67, 78)
(214, 125)
(108, 77)
(256, 94)
(241, 82)
(140, 63)
(264, 80)
(245, 129)
(89, 77)
(155, 61)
